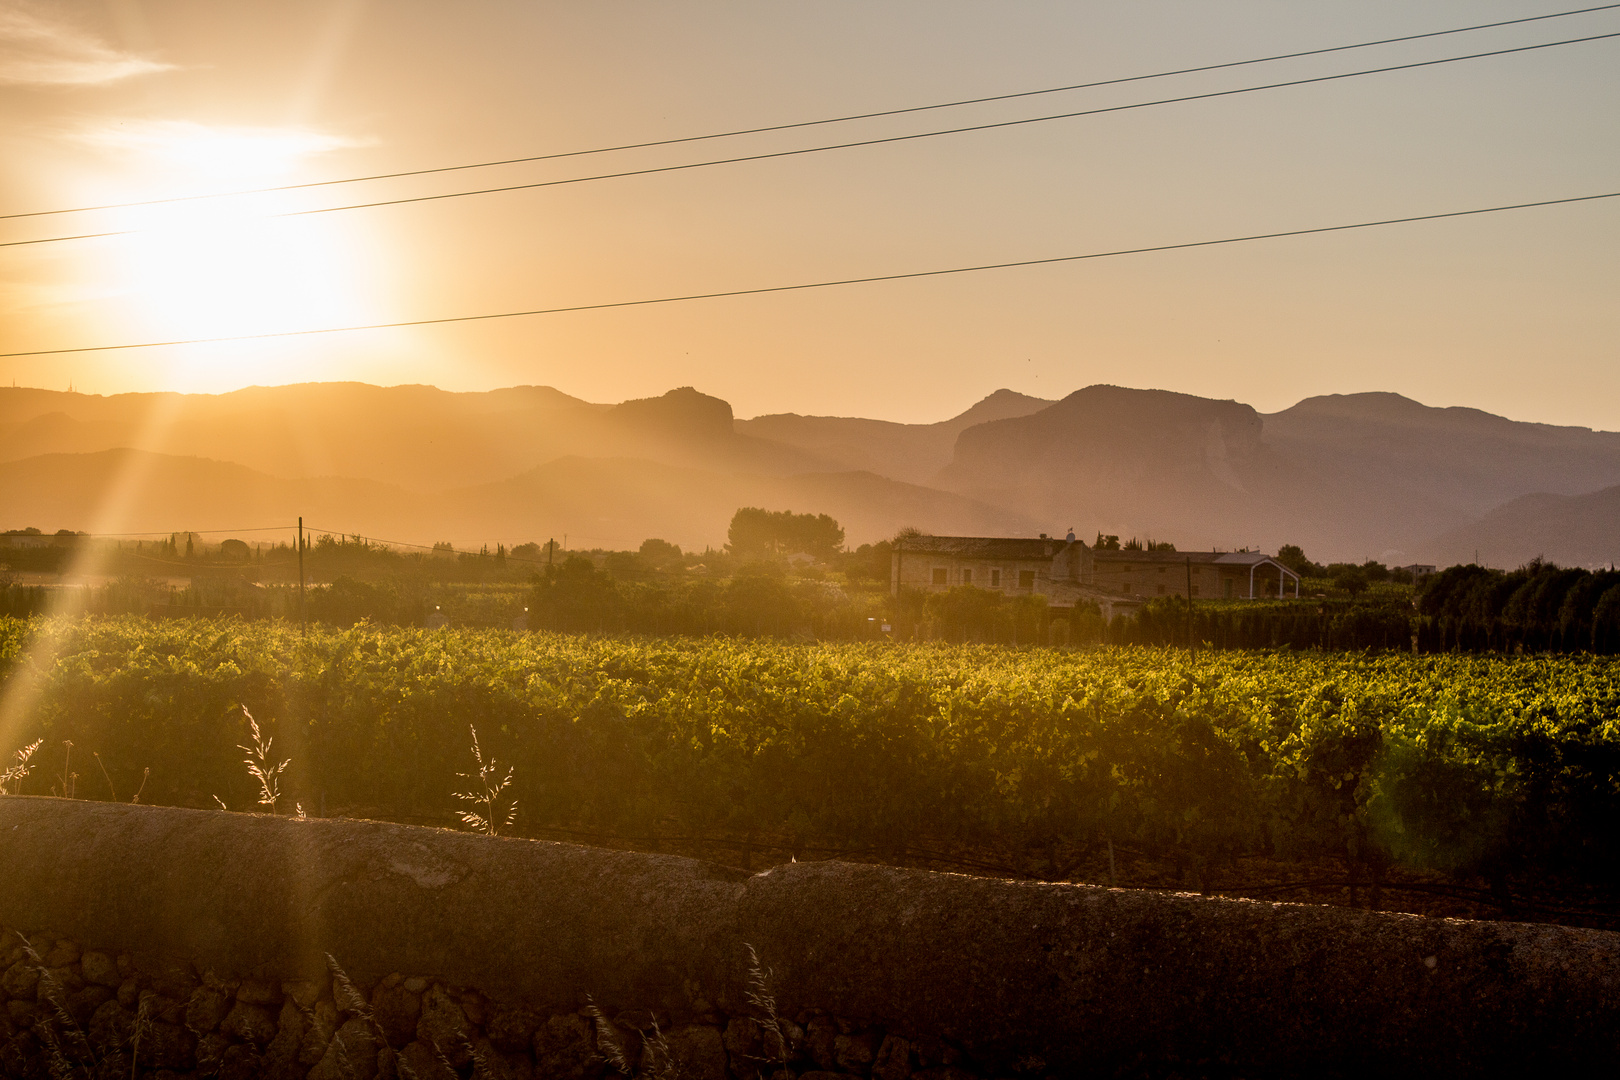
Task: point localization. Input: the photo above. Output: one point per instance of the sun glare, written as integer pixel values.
(211, 272)
(232, 267)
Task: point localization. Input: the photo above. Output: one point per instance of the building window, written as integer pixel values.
(1026, 579)
(1127, 589)
(1229, 588)
(1195, 588)
(1161, 590)
(941, 576)
(967, 577)
(995, 579)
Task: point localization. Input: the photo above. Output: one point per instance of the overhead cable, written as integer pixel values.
(849, 145)
(822, 122)
(823, 284)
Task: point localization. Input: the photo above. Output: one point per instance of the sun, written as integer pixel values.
(236, 266)
(221, 272)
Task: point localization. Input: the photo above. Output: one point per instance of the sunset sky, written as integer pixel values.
(119, 101)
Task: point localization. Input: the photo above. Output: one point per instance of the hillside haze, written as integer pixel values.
(913, 452)
(1346, 476)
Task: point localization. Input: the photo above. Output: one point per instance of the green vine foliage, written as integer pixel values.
(1466, 764)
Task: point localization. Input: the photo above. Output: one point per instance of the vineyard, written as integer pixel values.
(1492, 783)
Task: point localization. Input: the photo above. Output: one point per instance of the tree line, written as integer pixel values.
(757, 586)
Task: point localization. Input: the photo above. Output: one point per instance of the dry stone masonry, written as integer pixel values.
(76, 1012)
(153, 941)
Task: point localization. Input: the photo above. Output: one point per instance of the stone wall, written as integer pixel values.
(209, 935)
(76, 1012)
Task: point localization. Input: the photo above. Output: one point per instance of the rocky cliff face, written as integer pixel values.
(1131, 460)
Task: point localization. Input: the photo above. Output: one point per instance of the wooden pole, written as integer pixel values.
(899, 567)
(1189, 604)
(303, 618)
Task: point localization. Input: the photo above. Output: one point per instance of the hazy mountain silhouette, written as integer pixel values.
(596, 502)
(1370, 465)
(913, 452)
(1348, 476)
(1570, 530)
(417, 437)
(136, 491)
(1135, 462)
(1351, 476)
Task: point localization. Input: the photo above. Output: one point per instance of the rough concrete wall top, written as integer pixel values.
(256, 895)
(1076, 975)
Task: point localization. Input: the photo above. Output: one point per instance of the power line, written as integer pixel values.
(822, 122)
(823, 284)
(859, 143)
(166, 532)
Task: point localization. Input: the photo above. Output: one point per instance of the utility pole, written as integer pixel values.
(1189, 604)
(303, 620)
(551, 550)
(899, 565)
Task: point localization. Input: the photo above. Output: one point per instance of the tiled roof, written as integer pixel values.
(1180, 558)
(983, 547)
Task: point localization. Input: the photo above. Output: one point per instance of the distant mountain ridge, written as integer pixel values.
(1569, 530)
(1346, 476)
(596, 502)
(1350, 476)
(418, 437)
(912, 452)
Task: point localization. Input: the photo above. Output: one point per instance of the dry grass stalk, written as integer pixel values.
(15, 773)
(69, 779)
(114, 791)
(661, 1064)
(607, 1040)
(146, 774)
(347, 997)
(61, 1066)
(487, 796)
(143, 1024)
(259, 766)
(764, 1002)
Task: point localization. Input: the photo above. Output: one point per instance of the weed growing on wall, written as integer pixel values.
(607, 1039)
(11, 779)
(259, 766)
(758, 995)
(488, 794)
(67, 1049)
(69, 780)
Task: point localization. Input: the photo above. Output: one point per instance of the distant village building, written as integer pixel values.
(1069, 572)
(1212, 575)
(1418, 570)
(26, 538)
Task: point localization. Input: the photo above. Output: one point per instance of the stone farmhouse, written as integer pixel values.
(1069, 572)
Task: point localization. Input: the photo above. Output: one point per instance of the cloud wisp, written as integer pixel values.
(204, 150)
(39, 51)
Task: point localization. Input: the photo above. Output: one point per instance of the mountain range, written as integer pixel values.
(1353, 476)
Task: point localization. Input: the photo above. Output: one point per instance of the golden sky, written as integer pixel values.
(121, 101)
